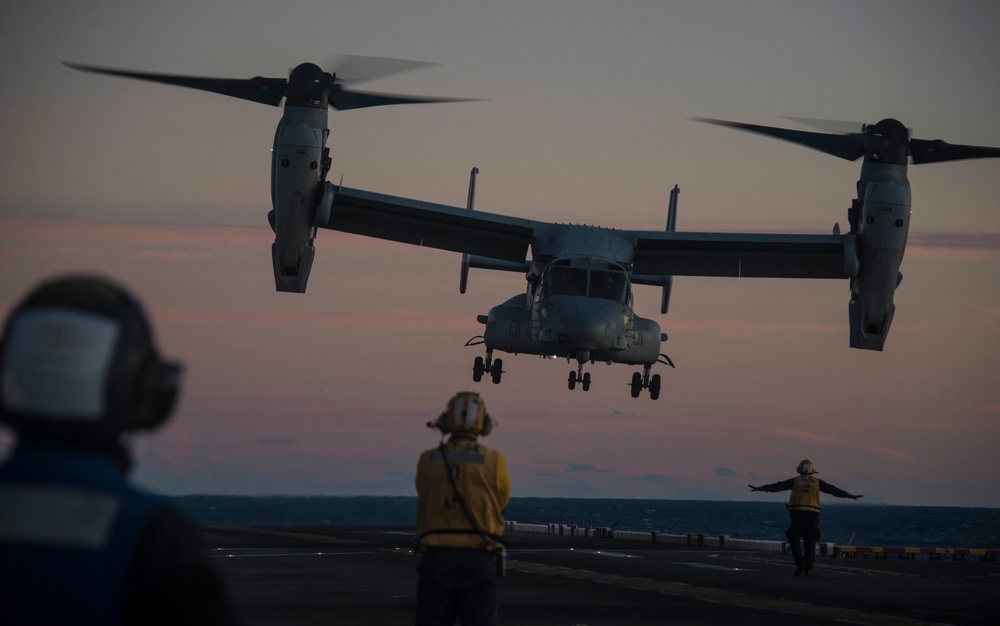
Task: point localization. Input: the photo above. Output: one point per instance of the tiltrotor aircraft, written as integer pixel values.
(578, 302)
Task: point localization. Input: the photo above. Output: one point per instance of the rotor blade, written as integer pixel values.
(257, 89)
(355, 69)
(850, 147)
(829, 126)
(935, 151)
(346, 99)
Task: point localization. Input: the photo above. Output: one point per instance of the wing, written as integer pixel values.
(743, 255)
(657, 254)
(433, 225)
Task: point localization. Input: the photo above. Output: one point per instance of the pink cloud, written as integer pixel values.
(817, 438)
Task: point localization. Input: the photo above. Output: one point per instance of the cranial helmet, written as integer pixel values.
(806, 467)
(466, 413)
(77, 362)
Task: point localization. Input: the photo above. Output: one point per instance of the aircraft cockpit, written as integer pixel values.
(598, 280)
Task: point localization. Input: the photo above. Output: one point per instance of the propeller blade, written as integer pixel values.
(350, 68)
(829, 126)
(936, 151)
(850, 147)
(257, 89)
(345, 99)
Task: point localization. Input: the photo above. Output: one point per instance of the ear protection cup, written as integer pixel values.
(156, 388)
(139, 387)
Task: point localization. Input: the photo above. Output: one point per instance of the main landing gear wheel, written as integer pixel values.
(645, 381)
(654, 387)
(481, 367)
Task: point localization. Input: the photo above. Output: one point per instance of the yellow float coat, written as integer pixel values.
(482, 480)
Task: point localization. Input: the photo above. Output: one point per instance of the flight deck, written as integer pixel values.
(353, 575)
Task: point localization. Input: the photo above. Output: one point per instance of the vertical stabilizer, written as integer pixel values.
(470, 205)
(668, 281)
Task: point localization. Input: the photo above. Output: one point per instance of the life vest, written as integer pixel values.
(805, 493)
(69, 522)
(482, 481)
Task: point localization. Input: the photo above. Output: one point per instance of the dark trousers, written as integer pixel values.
(804, 526)
(460, 583)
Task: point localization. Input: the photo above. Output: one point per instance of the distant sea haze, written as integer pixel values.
(869, 525)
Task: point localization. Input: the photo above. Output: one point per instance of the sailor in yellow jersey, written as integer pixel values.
(803, 507)
(463, 487)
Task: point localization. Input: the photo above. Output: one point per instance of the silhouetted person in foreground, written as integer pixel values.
(78, 543)
(803, 507)
(463, 487)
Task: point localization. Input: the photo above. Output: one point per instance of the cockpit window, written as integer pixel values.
(567, 281)
(572, 281)
(610, 285)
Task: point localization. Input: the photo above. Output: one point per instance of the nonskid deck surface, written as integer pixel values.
(332, 575)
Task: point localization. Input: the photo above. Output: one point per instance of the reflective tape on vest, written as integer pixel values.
(56, 516)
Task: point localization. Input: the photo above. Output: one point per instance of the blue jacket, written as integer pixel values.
(69, 527)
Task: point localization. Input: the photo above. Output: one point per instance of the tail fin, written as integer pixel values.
(668, 281)
(470, 205)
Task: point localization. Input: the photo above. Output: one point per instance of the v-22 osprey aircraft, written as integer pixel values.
(578, 301)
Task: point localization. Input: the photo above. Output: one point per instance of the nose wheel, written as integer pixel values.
(582, 357)
(579, 377)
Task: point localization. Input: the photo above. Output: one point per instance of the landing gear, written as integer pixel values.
(645, 381)
(579, 376)
(483, 366)
(582, 378)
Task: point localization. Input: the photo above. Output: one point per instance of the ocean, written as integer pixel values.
(866, 524)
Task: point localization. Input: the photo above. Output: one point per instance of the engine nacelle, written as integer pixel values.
(883, 228)
(292, 267)
(298, 194)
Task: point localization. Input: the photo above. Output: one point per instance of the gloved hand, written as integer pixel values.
(752, 488)
(854, 497)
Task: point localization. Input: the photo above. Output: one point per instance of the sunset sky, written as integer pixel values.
(586, 119)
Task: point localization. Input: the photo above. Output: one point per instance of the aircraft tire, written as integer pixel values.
(572, 381)
(478, 369)
(496, 371)
(636, 384)
(586, 381)
(654, 387)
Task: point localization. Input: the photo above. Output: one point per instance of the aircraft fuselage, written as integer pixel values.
(579, 308)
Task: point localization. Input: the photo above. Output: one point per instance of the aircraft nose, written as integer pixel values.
(584, 331)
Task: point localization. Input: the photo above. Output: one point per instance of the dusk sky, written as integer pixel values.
(586, 119)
